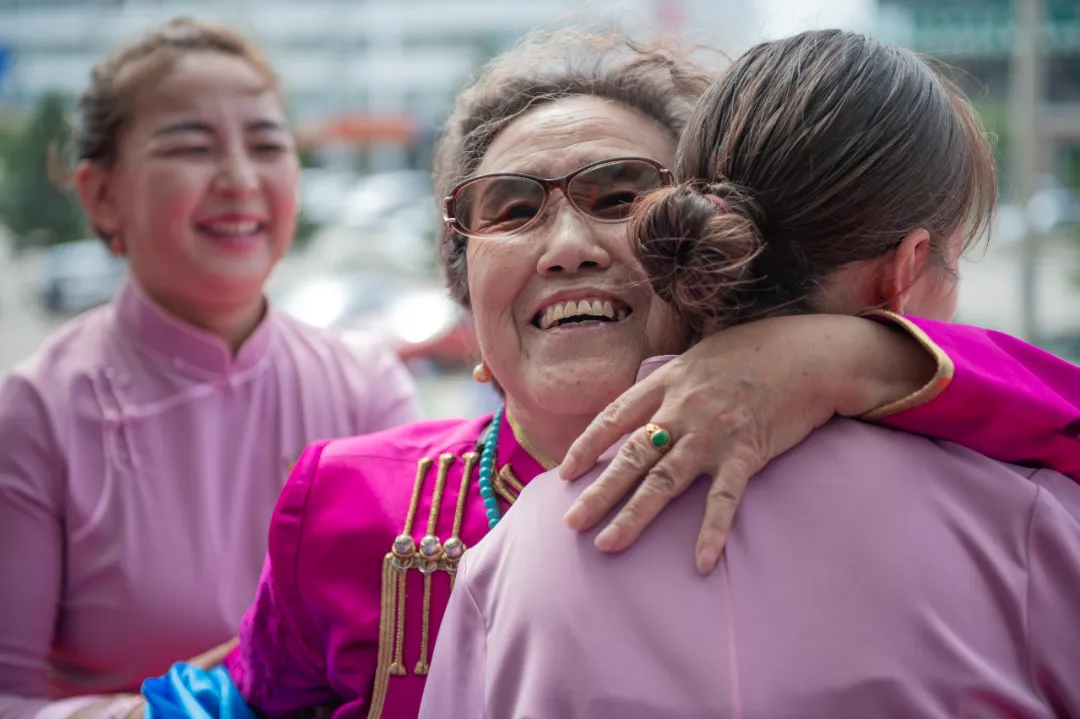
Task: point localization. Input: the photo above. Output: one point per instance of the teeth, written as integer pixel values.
(233, 228)
(585, 308)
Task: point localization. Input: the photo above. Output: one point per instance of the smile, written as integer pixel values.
(244, 228)
(584, 311)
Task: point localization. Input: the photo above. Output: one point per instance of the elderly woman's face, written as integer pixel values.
(520, 285)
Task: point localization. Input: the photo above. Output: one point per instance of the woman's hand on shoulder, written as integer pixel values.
(736, 400)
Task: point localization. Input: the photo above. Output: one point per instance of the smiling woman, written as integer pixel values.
(143, 447)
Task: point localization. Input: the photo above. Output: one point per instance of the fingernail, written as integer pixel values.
(707, 559)
(608, 539)
(575, 518)
(566, 470)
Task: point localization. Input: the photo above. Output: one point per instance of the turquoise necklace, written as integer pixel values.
(487, 469)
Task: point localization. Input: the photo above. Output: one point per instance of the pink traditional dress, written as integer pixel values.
(366, 540)
(140, 461)
(870, 573)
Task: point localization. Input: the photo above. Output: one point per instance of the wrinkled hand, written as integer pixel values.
(733, 402)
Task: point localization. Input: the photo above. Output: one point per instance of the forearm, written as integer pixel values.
(117, 706)
(882, 367)
(1007, 399)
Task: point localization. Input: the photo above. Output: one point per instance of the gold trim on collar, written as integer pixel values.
(528, 446)
(941, 379)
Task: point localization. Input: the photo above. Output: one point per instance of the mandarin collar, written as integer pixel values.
(185, 347)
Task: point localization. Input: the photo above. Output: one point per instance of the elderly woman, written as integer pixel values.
(871, 573)
(539, 165)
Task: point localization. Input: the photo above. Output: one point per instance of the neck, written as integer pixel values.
(545, 435)
(233, 322)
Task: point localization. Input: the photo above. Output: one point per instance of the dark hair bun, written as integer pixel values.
(697, 246)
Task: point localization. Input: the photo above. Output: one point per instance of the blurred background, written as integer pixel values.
(369, 82)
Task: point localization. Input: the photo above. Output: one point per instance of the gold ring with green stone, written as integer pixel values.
(659, 437)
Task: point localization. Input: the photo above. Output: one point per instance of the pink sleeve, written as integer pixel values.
(1006, 399)
(389, 397)
(455, 687)
(279, 665)
(31, 547)
(1053, 590)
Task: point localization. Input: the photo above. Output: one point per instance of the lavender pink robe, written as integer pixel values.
(140, 461)
(870, 573)
(324, 629)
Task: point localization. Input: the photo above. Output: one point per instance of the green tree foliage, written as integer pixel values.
(34, 206)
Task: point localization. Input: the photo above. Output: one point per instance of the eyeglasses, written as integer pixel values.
(503, 204)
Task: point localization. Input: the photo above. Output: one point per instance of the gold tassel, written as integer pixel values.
(454, 547)
(396, 565)
(397, 669)
(386, 631)
(507, 485)
(471, 458)
(431, 554)
(422, 665)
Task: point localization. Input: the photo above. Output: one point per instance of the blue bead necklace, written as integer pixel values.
(487, 469)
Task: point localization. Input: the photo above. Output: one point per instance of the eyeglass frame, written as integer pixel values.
(667, 178)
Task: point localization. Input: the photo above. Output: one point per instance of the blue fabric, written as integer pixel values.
(188, 692)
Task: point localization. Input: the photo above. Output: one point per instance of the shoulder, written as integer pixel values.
(80, 345)
(316, 344)
(40, 390)
(346, 502)
(356, 485)
(846, 444)
(365, 367)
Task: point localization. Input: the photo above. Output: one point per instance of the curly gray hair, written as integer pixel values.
(545, 66)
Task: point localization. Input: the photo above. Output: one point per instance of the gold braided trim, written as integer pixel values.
(454, 547)
(423, 664)
(386, 631)
(471, 458)
(396, 564)
(941, 379)
(431, 554)
(507, 485)
(397, 669)
(422, 468)
(429, 557)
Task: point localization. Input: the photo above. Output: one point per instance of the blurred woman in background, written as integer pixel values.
(143, 446)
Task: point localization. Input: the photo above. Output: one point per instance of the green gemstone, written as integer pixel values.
(661, 438)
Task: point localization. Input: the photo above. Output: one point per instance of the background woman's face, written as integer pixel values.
(575, 367)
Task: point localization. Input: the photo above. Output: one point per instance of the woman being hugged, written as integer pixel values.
(871, 572)
(142, 448)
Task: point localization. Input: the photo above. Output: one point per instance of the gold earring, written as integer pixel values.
(481, 373)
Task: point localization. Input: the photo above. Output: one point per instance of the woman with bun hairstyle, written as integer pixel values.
(870, 572)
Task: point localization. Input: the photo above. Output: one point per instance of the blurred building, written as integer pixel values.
(977, 37)
(375, 74)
